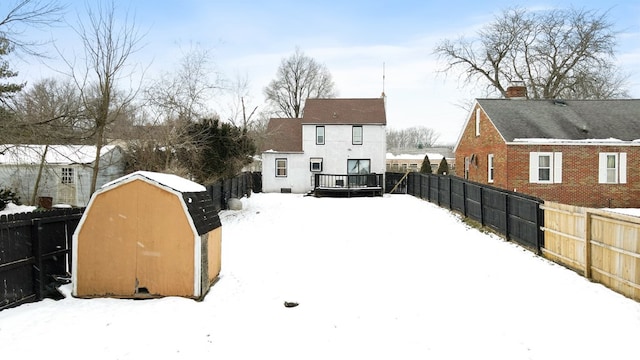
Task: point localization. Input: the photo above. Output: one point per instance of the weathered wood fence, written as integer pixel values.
(516, 216)
(602, 245)
(34, 247)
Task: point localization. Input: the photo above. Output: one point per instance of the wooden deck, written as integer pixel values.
(348, 185)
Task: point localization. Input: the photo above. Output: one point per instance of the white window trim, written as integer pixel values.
(555, 167)
(490, 168)
(285, 167)
(324, 135)
(353, 135)
(621, 168)
(477, 122)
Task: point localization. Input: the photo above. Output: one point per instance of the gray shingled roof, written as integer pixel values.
(345, 111)
(567, 119)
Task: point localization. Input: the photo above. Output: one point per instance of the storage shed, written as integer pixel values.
(147, 235)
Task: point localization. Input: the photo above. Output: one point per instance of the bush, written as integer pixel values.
(426, 165)
(443, 168)
(6, 196)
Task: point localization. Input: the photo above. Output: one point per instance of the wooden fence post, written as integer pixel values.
(506, 217)
(36, 249)
(587, 244)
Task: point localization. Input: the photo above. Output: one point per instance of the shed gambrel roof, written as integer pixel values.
(345, 111)
(566, 119)
(194, 196)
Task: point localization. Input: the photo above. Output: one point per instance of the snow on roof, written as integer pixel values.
(432, 156)
(55, 154)
(569, 141)
(169, 180)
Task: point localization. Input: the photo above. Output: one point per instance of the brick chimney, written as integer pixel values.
(517, 90)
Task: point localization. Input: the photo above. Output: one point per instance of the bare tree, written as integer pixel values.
(241, 112)
(108, 43)
(556, 54)
(19, 17)
(25, 14)
(299, 77)
(416, 137)
(174, 100)
(50, 112)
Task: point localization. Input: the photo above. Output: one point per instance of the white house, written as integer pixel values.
(65, 171)
(334, 137)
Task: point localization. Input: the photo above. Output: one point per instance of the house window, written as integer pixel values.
(316, 164)
(281, 167)
(467, 162)
(319, 135)
(355, 167)
(357, 135)
(477, 122)
(490, 168)
(67, 176)
(612, 168)
(545, 167)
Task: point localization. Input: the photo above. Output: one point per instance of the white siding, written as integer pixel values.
(337, 149)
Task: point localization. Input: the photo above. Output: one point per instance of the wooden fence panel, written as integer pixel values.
(34, 247)
(602, 245)
(615, 252)
(16, 262)
(444, 195)
(564, 234)
(474, 202)
(494, 210)
(458, 195)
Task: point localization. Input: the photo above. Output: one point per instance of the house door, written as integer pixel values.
(358, 167)
(66, 189)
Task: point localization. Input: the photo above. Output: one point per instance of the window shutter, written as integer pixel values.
(557, 167)
(533, 167)
(623, 168)
(602, 168)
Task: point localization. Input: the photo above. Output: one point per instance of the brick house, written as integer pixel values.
(578, 152)
(335, 137)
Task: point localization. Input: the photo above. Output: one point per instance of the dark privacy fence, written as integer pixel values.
(238, 187)
(516, 216)
(35, 247)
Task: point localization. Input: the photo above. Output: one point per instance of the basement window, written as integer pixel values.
(315, 164)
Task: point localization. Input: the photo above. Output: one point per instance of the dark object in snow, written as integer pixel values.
(290, 304)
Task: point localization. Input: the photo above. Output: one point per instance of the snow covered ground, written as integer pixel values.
(390, 277)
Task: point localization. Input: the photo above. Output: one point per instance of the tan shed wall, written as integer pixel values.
(148, 244)
(214, 253)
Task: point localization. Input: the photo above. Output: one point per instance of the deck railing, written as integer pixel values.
(334, 181)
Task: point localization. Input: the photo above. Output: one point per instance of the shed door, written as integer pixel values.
(135, 240)
(165, 246)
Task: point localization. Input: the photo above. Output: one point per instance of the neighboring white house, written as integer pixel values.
(65, 170)
(334, 136)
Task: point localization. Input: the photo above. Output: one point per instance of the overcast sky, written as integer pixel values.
(352, 38)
